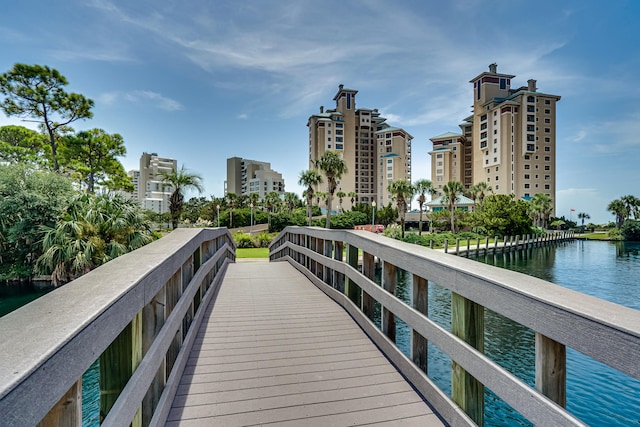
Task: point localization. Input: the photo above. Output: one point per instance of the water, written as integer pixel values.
(596, 394)
(14, 297)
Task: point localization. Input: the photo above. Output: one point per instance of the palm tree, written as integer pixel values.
(632, 205)
(341, 195)
(540, 207)
(310, 178)
(320, 196)
(422, 187)
(618, 208)
(480, 190)
(583, 216)
(232, 200)
(291, 200)
(92, 231)
(180, 180)
(334, 167)
(271, 200)
(450, 192)
(402, 191)
(352, 195)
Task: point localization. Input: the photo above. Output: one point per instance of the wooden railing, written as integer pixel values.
(560, 318)
(508, 244)
(136, 314)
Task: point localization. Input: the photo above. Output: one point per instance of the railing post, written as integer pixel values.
(338, 278)
(369, 270)
(68, 411)
(446, 246)
(551, 369)
(389, 281)
(457, 246)
(328, 251)
(351, 289)
(467, 323)
(420, 303)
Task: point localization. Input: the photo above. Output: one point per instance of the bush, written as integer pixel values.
(242, 240)
(630, 230)
(615, 234)
(263, 240)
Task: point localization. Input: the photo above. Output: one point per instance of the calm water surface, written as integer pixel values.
(597, 394)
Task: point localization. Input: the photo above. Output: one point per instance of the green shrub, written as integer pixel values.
(263, 240)
(242, 240)
(615, 234)
(631, 230)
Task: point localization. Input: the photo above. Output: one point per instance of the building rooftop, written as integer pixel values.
(461, 200)
(446, 135)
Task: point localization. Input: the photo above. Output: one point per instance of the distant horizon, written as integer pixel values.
(240, 79)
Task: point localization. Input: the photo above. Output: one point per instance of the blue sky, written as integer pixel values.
(204, 80)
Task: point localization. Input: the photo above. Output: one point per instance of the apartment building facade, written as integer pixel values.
(375, 152)
(246, 176)
(151, 192)
(509, 141)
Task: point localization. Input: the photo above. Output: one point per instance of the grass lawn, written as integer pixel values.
(252, 253)
(593, 236)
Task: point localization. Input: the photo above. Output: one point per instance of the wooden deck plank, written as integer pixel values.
(274, 349)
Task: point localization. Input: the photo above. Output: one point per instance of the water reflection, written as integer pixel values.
(596, 394)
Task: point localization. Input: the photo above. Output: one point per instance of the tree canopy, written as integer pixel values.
(333, 166)
(503, 216)
(21, 145)
(92, 155)
(37, 92)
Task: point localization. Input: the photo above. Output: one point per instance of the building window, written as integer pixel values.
(339, 146)
(547, 177)
(531, 109)
(483, 117)
(527, 176)
(531, 147)
(547, 187)
(497, 187)
(530, 118)
(496, 178)
(483, 126)
(547, 111)
(483, 135)
(531, 128)
(527, 167)
(547, 130)
(531, 99)
(530, 138)
(547, 148)
(526, 186)
(497, 169)
(547, 158)
(547, 101)
(338, 139)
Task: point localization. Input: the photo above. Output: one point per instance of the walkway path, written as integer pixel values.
(273, 349)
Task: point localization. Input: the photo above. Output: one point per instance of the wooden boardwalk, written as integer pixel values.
(274, 349)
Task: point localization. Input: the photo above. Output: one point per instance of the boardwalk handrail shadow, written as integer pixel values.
(560, 317)
(137, 314)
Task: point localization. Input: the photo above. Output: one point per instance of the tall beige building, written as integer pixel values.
(375, 153)
(509, 141)
(246, 176)
(149, 189)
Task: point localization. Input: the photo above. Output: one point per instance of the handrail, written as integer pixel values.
(560, 317)
(155, 294)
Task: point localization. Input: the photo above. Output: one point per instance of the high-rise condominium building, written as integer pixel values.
(151, 192)
(509, 141)
(246, 176)
(375, 153)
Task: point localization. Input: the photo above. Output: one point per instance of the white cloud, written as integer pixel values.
(144, 97)
(243, 116)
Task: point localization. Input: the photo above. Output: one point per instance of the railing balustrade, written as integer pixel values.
(560, 317)
(135, 313)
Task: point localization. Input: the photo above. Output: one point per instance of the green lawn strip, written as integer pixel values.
(252, 253)
(593, 236)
